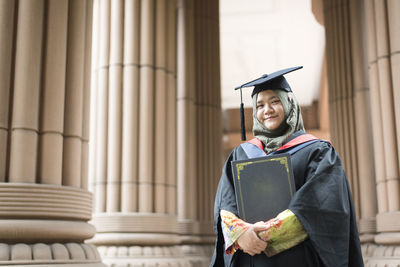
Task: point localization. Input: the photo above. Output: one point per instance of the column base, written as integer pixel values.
(367, 238)
(44, 231)
(34, 264)
(172, 256)
(198, 255)
(389, 239)
(40, 254)
(194, 232)
(388, 221)
(381, 256)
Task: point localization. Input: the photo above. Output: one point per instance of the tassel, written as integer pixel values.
(242, 124)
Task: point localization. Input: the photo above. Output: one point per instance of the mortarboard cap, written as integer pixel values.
(274, 80)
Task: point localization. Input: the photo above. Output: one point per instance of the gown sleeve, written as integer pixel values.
(323, 205)
(224, 200)
(232, 228)
(285, 231)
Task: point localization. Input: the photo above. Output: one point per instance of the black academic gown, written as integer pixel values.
(322, 203)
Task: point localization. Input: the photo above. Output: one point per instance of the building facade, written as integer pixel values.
(144, 77)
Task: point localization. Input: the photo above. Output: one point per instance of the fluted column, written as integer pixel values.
(171, 179)
(342, 91)
(382, 35)
(186, 118)
(198, 89)
(208, 106)
(44, 202)
(351, 110)
(376, 113)
(364, 139)
(156, 138)
(394, 33)
(130, 140)
(7, 13)
(133, 147)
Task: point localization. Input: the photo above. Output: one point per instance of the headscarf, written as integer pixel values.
(292, 123)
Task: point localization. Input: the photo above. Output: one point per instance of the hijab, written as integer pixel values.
(293, 122)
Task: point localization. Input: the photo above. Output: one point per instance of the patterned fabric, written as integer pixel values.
(285, 231)
(232, 227)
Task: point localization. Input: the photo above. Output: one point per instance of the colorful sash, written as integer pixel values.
(254, 147)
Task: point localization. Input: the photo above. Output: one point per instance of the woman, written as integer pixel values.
(319, 226)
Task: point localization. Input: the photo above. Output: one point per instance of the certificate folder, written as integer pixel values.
(263, 186)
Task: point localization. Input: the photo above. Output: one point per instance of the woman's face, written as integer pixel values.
(270, 110)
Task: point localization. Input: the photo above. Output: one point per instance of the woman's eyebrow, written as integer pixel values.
(270, 98)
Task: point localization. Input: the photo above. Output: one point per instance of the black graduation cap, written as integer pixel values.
(274, 80)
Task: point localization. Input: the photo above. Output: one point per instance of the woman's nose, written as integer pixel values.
(268, 109)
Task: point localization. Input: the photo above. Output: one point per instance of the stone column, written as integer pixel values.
(44, 201)
(133, 152)
(382, 28)
(394, 30)
(346, 38)
(155, 155)
(198, 90)
(208, 102)
(186, 118)
(376, 113)
(341, 91)
(365, 152)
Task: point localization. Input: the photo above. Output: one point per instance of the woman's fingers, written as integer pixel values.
(260, 226)
(257, 245)
(249, 241)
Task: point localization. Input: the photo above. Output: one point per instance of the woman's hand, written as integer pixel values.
(249, 241)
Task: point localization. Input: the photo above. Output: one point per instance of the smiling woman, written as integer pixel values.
(318, 228)
(269, 110)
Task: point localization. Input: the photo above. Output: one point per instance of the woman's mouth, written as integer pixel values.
(270, 117)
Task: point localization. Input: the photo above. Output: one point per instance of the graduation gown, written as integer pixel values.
(322, 203)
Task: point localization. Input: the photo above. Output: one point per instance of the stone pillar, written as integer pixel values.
(394, 33)
(199, 128)
(376, 113)
(364, 139)
(186, 119)
(383, 40)
(133, 152)
(341, 91)
(155, 149)
(44, 201)
(348, 74)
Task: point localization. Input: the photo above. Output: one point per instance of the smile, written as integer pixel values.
(271, 117)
